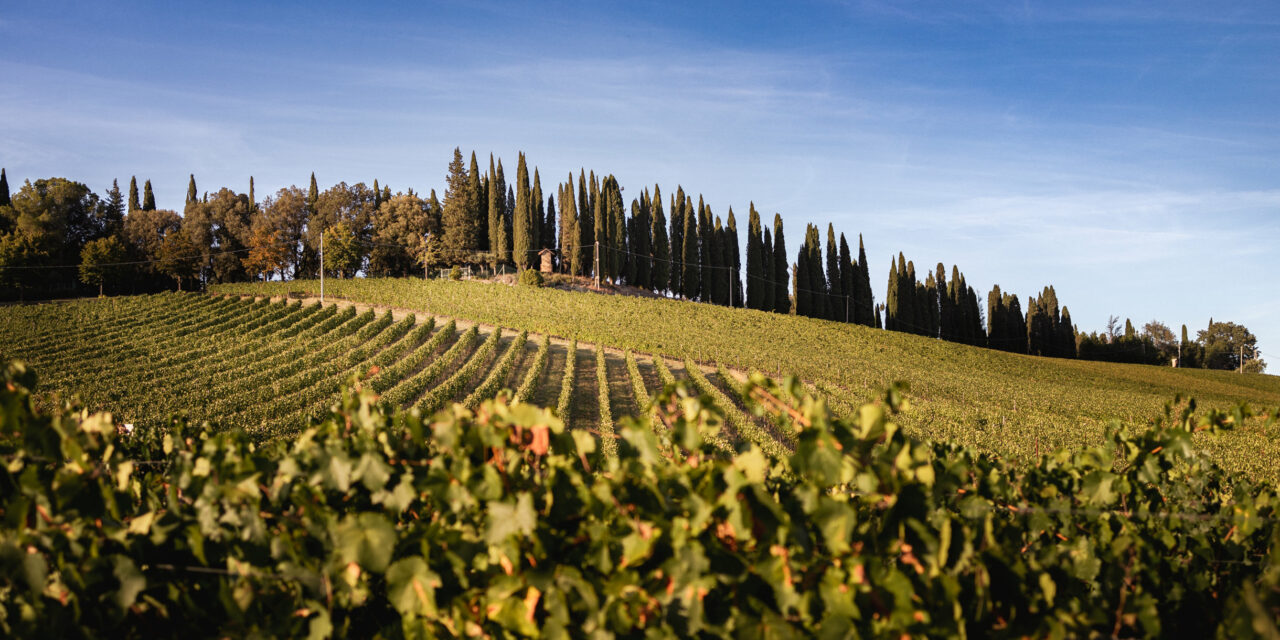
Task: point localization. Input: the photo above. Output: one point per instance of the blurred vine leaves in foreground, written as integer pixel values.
(500, 522)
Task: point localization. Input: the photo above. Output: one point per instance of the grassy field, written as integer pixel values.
(267, 367)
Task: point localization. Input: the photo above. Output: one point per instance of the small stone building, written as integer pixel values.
(546, 255)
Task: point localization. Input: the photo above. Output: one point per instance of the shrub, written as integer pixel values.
(455, 273)
(531, 277)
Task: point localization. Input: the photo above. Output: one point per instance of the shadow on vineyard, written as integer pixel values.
(500, 521)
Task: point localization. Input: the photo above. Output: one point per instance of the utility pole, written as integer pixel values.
(597, 264)
(321, 268)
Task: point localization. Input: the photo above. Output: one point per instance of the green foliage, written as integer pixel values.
(567, 381)
(523, 241)
(99, 261)
(456, 218)
(533, 374)
(455, 273)
(148, 198)
(491, 524)
(781, 302)
(343, 254)
(1224, 344)
(531, 278)
(690, 253)
(608, 439)
(662, 253)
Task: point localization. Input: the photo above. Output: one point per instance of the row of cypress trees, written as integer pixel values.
(695, 255)
(950, 311)
(933, 307)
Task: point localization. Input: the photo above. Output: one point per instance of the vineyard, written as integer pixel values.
(268, 367)
(667, 492)
(1018, 406)
(503, 523)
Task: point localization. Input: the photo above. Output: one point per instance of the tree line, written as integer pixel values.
(56, 234)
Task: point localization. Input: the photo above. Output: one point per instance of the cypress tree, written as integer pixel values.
(568, 228)
(767, 289)
(537, 215)
(835, 283)
(1067, 336)
(191, 190)
(377, 194)
(600, 244)
(919, 313)
(706, 262)
(956, 320)
(800, 278)
(996, 321)
(661, 244)
(690, 260)
(133, 194)
(677, 242)
(946, 308)
(476, 201)
(849, 304)
(819, 301)
(148, 198)
(734, 259)
(931, 300)
(5, 200)
(569, 245)
(865, 298)
(903, 313)
(781, 302)
(549, 225)
(509, 213)
(586, 227)
(497, 197)
(718, 286)
(978, 336)
(795, 286)
(313, 193)
(618, 232)
(713, 280)
(502, 225)
(522, 219)
(584, 251)
(1016, 325)
(891, 297)
(642, 243)
(1033, 326)
(253, 201)
(755, 277)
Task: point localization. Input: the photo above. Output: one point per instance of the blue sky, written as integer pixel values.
(1127, 153)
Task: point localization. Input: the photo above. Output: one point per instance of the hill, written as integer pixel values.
(1012, 404)
(268, 367)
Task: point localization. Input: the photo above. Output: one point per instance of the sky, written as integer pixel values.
(1128, 153)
